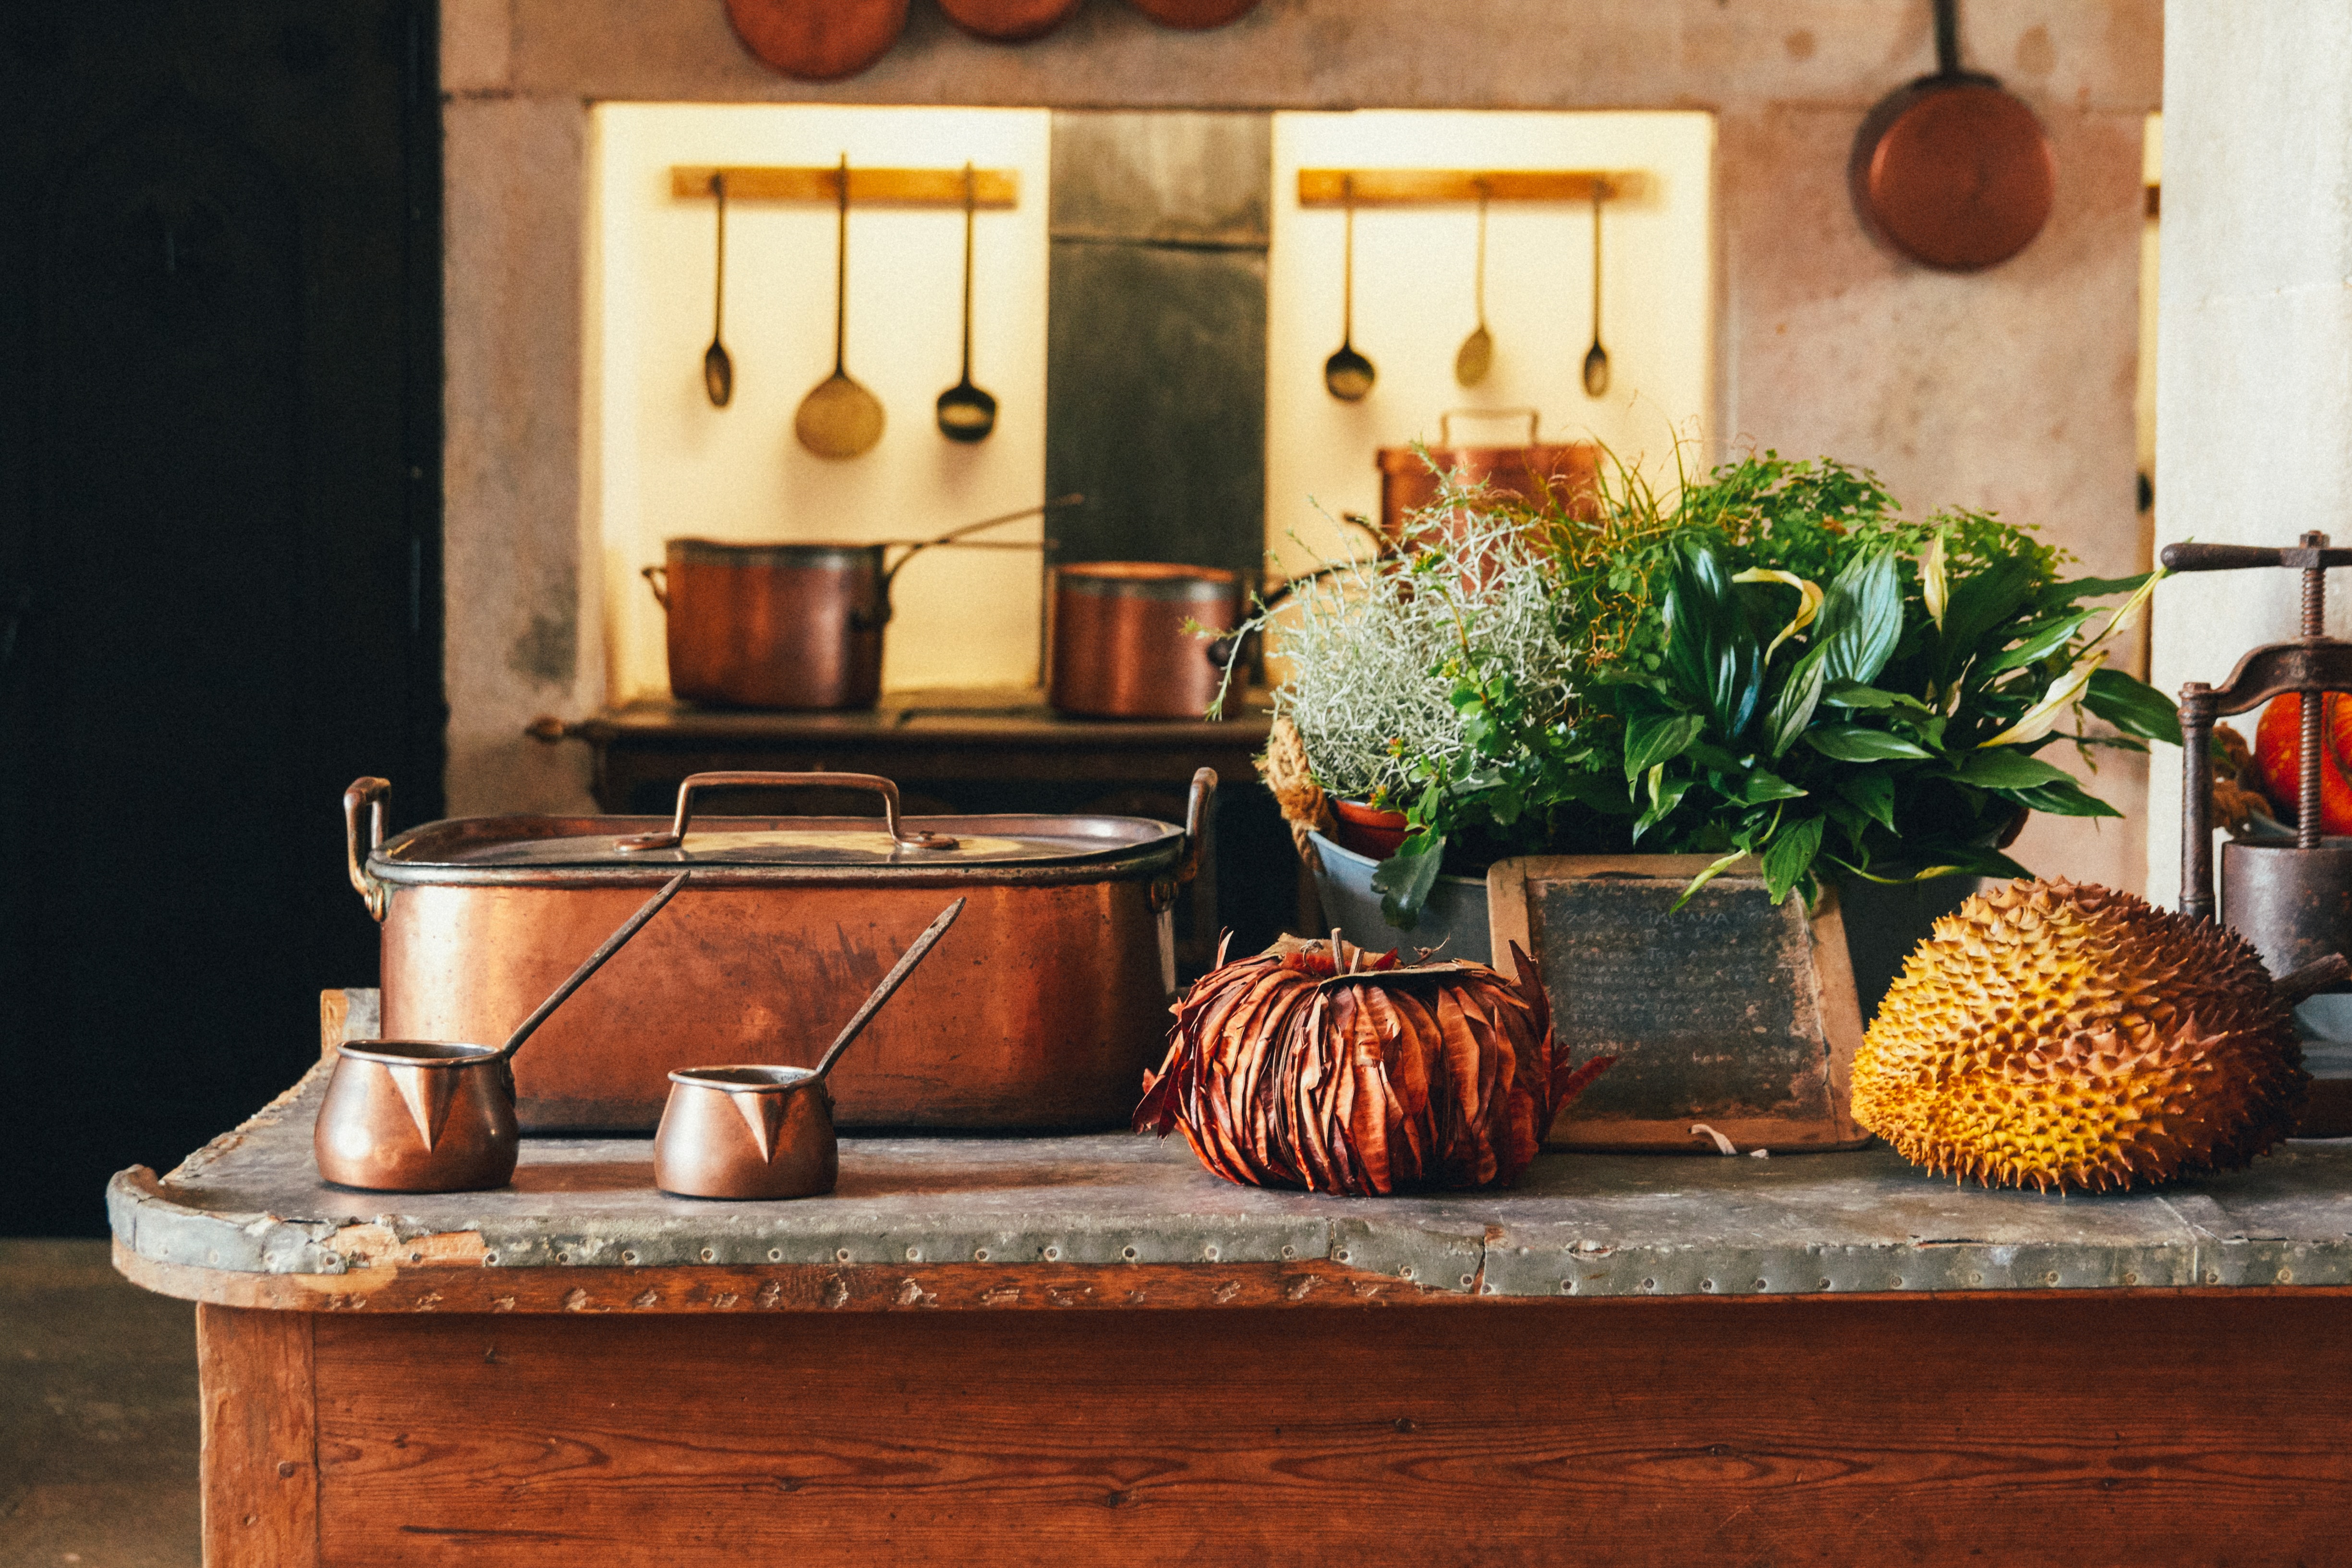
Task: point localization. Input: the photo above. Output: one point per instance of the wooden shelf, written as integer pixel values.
(869, 187)
(1423, 187)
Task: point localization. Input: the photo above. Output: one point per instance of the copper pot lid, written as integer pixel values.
(524, 844)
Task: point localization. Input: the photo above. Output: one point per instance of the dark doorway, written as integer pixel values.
(219, 550)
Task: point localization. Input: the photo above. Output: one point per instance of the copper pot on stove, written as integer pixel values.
(1123, 643)
(1408, 482)
(792, 626)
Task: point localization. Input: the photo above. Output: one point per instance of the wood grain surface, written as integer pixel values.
(260, 1442)
(2063, 1432)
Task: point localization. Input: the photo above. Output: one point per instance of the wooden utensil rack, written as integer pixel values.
(821, 182)
(1425, 187)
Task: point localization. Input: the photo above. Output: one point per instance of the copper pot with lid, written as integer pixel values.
(791, 626)
(1410, 480)
(1052, 1003)
(1123, 640)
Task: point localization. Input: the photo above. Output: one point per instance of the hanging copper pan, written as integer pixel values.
(1008, 21)
(818, 40)
(1952, 171)
(1194, 15)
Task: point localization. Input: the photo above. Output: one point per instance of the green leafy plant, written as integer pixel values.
(1781, 665)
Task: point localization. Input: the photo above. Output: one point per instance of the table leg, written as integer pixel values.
(260, 1438)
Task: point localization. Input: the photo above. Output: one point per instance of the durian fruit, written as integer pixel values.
(2068, 1036)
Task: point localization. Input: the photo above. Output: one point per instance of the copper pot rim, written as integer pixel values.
(774, 552)
(756, 1078)
(1148, 579)
(418, 1052)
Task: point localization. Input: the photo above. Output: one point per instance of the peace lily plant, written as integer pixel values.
(1776, 665)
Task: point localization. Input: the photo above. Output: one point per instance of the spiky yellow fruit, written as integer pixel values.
(2069, 1036)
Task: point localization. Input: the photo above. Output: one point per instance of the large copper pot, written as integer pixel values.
(1052, 1005)
(1410, 484)
(1123, 640)
(790, 625)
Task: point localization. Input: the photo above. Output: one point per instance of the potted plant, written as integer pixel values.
(1773, 664)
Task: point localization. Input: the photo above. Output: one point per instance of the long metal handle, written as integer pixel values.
(595, 961)
(2194, 557)
(372, 793)
(890, 983)
(675, 837)
(1445, 420)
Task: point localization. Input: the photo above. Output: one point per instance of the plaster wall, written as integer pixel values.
(2010, 389)
(2254, 398)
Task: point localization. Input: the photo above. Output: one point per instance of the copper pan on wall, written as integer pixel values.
(1952, 171)
(818, 40)
(1008, 21)
(1194, 15)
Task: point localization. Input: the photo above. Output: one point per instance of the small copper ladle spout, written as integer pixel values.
(428, 1115)
(755, 1132)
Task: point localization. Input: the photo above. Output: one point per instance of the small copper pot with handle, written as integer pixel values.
(428, 1115)
(754, 1131)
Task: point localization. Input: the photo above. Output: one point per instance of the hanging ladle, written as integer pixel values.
(767, 1132)
(839, 418)
(1476, 355)
(429, 1115)
(718, 368)
(1596, 358)
(966, 412)
(1348, 374)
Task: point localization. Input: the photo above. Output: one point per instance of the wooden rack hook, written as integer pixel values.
(820, 183)
(1422, 187)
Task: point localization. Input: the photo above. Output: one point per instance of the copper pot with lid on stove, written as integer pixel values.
(1410, 480)
(792, 626)
(1123, 640)
(1054, 1004)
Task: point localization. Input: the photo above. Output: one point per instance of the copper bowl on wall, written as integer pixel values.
(1120, 647)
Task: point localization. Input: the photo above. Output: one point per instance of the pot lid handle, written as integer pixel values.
(1445, 420)
(675, 838)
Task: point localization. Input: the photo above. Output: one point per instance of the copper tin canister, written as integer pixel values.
(1122, 646)
(1409, 483)
(1043, 1015)
(775, 625)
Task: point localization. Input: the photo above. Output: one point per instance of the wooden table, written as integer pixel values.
(956, 751)
(1087, 1350)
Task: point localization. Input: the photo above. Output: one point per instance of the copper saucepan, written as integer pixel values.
(429, 1115)
(753, 1131)
(796, 626)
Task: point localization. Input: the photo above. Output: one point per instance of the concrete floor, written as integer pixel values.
(97, 1413)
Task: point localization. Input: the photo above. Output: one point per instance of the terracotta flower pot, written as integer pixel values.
(1368, 830)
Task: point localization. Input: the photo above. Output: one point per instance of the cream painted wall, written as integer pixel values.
(1416, 301)
(661, 462)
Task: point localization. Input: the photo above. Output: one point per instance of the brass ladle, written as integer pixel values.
(966, 412)
(1596, 358)
(839, 418)
(1476, 355)
(1348, 374)
(718, 368)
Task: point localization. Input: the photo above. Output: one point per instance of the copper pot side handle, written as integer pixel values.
(1445, 429)
(372, 793)
(657, 578)
(675, 838)
(1196, 822)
